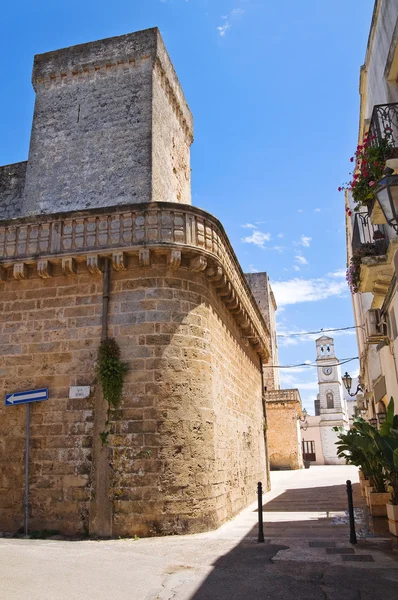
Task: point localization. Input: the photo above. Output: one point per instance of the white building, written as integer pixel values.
(317, 433)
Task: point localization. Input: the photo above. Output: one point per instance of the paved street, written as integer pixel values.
(306, 534)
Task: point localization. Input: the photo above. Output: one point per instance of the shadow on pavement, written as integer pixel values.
(248, 571)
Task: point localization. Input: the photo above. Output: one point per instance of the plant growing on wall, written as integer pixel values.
(111, 372)
(353, 273)
(370, 158)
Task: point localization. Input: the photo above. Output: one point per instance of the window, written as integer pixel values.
(329, 400)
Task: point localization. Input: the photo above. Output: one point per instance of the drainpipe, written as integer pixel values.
(264, 404)
(101, 509)
(105, 300)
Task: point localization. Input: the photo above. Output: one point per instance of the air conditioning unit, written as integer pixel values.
(375, 328)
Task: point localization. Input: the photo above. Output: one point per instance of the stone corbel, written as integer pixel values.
(174, 259)
(197, 264)
(94, 264)
(20, 271)
(144, 257)
(225, 291)
(44, 268)
(69, 266)
(214, 274)
(119, 261)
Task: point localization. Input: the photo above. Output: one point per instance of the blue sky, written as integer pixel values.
(273, 87)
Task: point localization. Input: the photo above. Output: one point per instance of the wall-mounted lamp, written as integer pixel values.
(387, 195)
(347, 380)
(303, 420)
(373, 422)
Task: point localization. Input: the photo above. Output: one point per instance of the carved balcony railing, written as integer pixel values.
(384, 124)
(133, 236)
(367, 237)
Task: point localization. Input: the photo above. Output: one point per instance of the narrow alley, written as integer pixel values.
(306, 554)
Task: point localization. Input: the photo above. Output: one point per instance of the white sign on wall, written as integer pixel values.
(80, 391)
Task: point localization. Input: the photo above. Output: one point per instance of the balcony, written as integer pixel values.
(372, 245)
(383, 125)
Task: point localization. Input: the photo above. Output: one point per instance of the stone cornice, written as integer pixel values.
(140, 233)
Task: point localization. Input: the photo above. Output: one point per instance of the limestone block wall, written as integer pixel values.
(49, 333)
(283, 433)
(186, 447)
(261, 289)
(12, 183)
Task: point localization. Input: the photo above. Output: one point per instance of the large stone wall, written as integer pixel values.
(187, 444)
(12, 183)
(261, 289)
(283, 429)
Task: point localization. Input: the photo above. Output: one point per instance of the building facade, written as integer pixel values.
(98, 239)
(371, 241)
(331, 409)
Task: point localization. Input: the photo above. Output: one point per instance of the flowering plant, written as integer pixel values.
(353, 273)
(370, 158)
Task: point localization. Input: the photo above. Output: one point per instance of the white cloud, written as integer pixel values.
(257, 238)
(222, 29)
(249, 226)
(237, 12)
(339, 274)
(305, 241)
(296, 268)
(317, 210)
(234, 15)
(280, 235)
(300, 210)
(253, 269)
(298, 290)
(297, 338)
(301, 260)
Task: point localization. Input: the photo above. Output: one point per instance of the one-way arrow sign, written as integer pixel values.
(25, 397)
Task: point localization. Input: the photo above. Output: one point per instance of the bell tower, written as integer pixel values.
(333, 406)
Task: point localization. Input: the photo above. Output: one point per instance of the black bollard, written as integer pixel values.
(260, 537)
(353, 536)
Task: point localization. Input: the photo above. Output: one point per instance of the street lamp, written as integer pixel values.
(387, 196)
(373, 422)
(303, 420)
(347, 380)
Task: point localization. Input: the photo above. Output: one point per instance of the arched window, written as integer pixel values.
(329, 400)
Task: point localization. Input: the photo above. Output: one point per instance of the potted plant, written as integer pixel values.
(370, 158)
(358, 447)
(387, 443)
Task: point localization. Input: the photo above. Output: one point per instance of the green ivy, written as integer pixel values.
(111, 372)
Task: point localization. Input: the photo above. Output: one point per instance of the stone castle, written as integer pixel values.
(98, 239)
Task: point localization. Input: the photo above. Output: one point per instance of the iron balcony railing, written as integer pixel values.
(368, 239)
(384, 125)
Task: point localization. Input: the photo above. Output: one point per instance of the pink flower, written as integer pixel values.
(349, 213)
(352, 159)
(339, 189)
(371, 183)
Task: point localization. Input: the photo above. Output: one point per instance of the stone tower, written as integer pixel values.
(332, 404)
(98, 239)
(111, 126)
